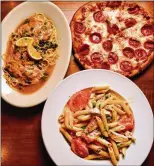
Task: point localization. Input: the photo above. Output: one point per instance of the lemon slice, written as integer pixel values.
(24, 41)
(33, 52)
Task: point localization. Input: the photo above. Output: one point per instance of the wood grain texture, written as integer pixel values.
(22, 143)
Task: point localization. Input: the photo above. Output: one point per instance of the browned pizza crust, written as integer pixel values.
(148, 10)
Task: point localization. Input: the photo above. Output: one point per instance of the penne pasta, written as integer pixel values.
(84, 117)
(98, 88)
(114, 115)
(112, 155)
(118, 110)
(99, 96)
(113, 124)
(103, 116)
(93, 156)
(66, 134)
(101, 126)
(102, 91)
(123, 151)
(124, 144)
(117, 137)
(115, 149)
(104, 154)
(81, 124)
(102, 141)
(83, 112)
(95, 147)
(118, 128)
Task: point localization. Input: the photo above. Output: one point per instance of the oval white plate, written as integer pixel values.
(58, 148)
(11, 21)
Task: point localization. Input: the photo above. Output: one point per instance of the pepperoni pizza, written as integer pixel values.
(117, 36)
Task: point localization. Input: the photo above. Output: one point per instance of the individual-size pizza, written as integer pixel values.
(117, 36)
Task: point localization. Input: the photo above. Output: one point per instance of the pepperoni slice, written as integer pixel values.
(86, 61)
(98, 16)
(107, 45)
(147, 29)
(79, 147)
(149, 45)
(126, 66)
(114, 4)
(79, 100)
(84, 49)
(127, 122)
(112, 58)
(96, 57)
(134, 43)
(114, 29)
(95, 38)
(128, 52)
(79, 27)
(140, 54)
(130, 22)
(134, 10)
(105, 65)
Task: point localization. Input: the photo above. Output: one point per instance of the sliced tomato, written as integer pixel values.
(79, 147)
(79, 100)
(127, 122)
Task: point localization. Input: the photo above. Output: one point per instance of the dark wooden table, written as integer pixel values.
(22, 143)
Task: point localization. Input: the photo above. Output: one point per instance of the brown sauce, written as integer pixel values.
(33, 88)
(28, 89)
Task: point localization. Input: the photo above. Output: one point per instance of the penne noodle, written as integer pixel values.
(117, 137)
(81, 124)
(61, 118)
(66, 134)
(115, 149)
(95, 147)
(118, 128)
(66, 120)
(102, 91)
(112, 155)
(100, 88)
(84, 117)
(83, 112)
(123, 151)
(104, 154)
(93, 156)
(106, 102)
(102, 141)
(92, 95)
(114, 115)
(126, 109)
(121, 102)
(111, 125)
(90, 105)
(103, 116)
(70, 119)
(118, 110)
(124, 144)
(99, 96)
(101, 126)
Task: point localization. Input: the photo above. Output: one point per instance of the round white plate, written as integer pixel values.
(58, 148)
(10, 22)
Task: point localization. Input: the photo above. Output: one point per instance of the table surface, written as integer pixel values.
(22, 143)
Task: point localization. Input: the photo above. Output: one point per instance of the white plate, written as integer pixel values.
(58, 148)
(11, 21)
